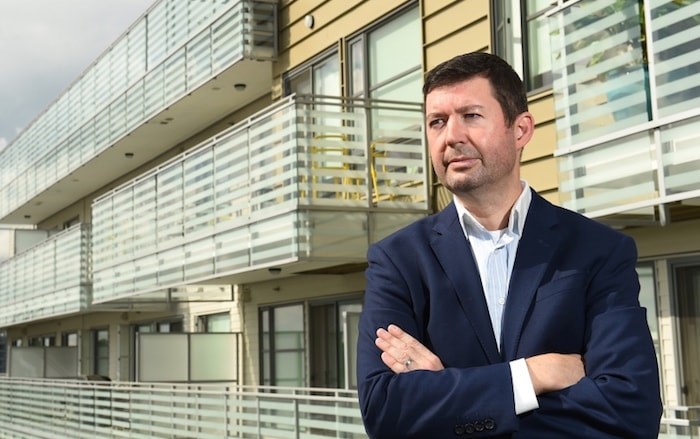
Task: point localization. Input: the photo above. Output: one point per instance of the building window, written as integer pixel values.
(283, 346)
(647, 299)
(220, 322)
(686, 278)
(333, 343)
(385, 61)
(101, 352)
(69, 339)
(3, 352)
(521, 36)
(43, 341)
(320, 77)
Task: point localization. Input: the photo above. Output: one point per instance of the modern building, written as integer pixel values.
(193, 211)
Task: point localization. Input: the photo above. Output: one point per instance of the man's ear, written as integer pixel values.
(523, 128)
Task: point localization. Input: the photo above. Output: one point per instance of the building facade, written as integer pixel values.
(193, 212)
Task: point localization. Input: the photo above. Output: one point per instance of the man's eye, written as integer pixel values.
(472, 115)
(435, 123)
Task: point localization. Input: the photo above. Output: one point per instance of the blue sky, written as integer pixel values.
(46, 44)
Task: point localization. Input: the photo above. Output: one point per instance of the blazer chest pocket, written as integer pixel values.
(565, 283)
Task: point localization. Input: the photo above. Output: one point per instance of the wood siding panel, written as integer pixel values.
(432, 6)
(454, 18)
(542, 144)
(475, 38)
(541, 174)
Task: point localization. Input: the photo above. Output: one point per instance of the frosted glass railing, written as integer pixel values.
(676, 44)
(80, 409)
(295, 181)
(599, 75)
(48, 280)
(169, 52)
(633, 174)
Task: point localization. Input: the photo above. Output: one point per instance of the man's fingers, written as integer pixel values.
(402, 352)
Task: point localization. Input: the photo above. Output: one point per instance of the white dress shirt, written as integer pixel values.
(494, 253)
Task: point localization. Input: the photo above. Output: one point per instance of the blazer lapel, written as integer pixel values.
(539, 241)
(452, 250)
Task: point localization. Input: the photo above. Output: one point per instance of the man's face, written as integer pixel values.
(471, 145)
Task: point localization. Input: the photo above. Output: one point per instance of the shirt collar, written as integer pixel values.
(516, 220)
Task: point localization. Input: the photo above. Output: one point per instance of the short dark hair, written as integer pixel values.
(507, 86)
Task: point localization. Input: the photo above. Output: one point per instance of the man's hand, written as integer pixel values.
(403, 353)
(551, 372)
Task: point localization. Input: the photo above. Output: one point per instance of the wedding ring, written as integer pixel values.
(407, 363)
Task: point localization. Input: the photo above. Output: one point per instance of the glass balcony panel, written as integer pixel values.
(122, 227)
(47, 280)
(681, 144)
(231, 181)
(199, 14)
(177, 23)
(274, 239)
(144, 216)
(87, 145)
(124, 278)
(231, 254)
(226, 47)
(102, 130)
(154, 90)
(199, 60)
(676, 54)
(136, 52)
(175, 76)
(134, 106)
(156, 33)
(199, 258)
(102, 91)
(170, 268)
(119, 65)
(336, 234)
(199, 192)
(170, 211)
(600, 79)
(610, 176)
(117, 119)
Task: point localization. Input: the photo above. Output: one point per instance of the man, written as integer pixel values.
(502, 315)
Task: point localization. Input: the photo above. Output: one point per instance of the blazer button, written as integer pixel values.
(478, 426)
(489, 424)
(469, 428)
(459, 430)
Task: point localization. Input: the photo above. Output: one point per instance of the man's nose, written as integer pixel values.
(455, 132)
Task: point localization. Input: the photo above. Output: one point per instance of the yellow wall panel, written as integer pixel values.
(542, 108)
(432, 6)
(457, 16)
(541, 174)
(675, 238)
(543, 142)
(472, 39)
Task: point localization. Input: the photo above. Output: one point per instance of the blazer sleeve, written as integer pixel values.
(619, 396)
(422, 404)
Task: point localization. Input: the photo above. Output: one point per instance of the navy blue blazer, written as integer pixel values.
(574, 289)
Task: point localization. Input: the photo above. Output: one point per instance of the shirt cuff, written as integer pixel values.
(523, 390)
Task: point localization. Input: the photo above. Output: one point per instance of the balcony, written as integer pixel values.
(170, 75)
(82, 409)
(302, 186)
(627, 99)
(50, 279)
